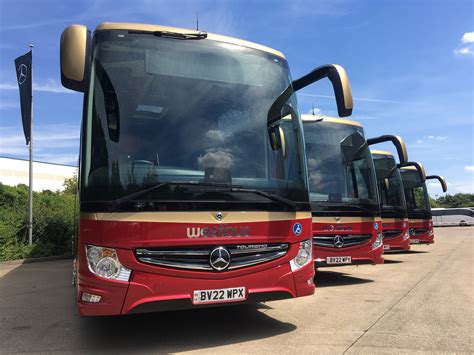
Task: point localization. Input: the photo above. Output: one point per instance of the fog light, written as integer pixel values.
(88, 297)
(310, 281)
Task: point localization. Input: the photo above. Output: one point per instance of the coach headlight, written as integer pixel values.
(378, 241)
(104, 262)
(406, 235)
(304, 256)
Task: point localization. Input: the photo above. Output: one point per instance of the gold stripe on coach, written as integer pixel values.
(339, 220)
(196, 217)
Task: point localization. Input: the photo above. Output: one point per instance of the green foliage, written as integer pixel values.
(454, 201)
(70, 185)
(53, 222)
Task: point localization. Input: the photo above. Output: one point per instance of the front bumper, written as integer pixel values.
(422, 239)
(157, 292)
(396, 244)
(361, 255)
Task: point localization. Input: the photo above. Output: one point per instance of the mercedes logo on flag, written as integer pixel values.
(22, 73)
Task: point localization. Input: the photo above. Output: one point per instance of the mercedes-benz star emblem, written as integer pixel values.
(22, 73)
(219, 216)
(338, 241)
(412, 231)
(219, 259)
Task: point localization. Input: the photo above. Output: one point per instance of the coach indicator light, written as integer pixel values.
(192, 191)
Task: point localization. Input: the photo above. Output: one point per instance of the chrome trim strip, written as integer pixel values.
(235, 264)
(172, 252)
(182, 265)
(235, 251)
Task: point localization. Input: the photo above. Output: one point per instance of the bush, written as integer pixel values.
(53, 223)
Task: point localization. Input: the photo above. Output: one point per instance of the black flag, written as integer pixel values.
(23, 65)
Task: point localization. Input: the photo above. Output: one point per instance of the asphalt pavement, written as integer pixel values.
(420, 301)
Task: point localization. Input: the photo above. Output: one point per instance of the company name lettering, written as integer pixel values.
(222, 230)
(337, 228)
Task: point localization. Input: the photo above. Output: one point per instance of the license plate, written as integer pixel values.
(331, 260)
(414, 241)
(219, 295)
(386, 247)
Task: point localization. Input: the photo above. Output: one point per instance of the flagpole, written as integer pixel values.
(30, 196)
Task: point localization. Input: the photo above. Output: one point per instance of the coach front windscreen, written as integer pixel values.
(190, 113)
(340, 167)
(392, 196)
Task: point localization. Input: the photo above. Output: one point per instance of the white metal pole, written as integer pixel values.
(30, 197)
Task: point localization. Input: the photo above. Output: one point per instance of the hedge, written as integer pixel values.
(53, 223)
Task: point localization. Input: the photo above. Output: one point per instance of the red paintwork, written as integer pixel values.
(396, 243)
(360, 253)
(425, 238)
(154, 283)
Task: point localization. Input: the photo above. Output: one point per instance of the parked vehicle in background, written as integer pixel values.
(453, 216)
(418, 204)
(392, 202)
(192, 193)
(347, 226)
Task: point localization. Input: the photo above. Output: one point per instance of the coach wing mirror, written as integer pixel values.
(352, 146)
(444, 186)
(397, 142)
(340, 82)
(277, 139)
(75, 57)
(418, 167)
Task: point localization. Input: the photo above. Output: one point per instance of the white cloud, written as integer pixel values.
(419, 141)
(468, 37)
(461, 187)
(50, 85)
(56, 143)
(354, 98)
(464, 51)
(469, 168)
(8, 105)
(438, 138)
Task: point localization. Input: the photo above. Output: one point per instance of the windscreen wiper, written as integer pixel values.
(175, 35)
(358, 207)
(216, 187)
(269, 195)
(134, 195)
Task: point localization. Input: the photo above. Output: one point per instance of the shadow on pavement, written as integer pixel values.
(408, 252)
(332, 278)
(388, 261)
(38, 314)
(181, 330)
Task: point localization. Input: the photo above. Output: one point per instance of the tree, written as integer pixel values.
(455, 201)
(70, 185)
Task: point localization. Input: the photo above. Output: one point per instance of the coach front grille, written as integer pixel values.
(198, 258)
(348, 240)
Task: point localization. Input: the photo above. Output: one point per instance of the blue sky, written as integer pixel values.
(410, 62)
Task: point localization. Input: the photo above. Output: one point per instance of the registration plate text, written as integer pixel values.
(219, 295)
(331, 260)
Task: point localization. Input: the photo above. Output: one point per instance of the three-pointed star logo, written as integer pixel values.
(338, 241)
(22, 74)
(219, 258)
